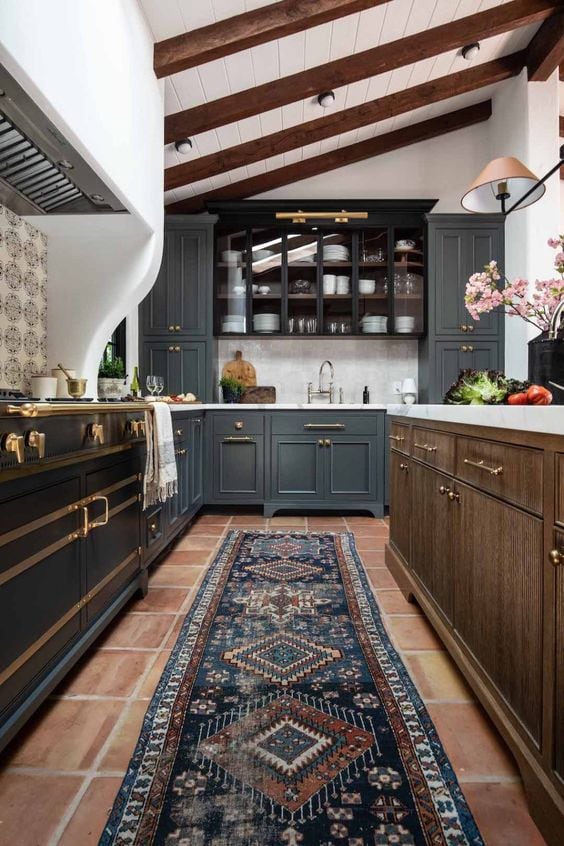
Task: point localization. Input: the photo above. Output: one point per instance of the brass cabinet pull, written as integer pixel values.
(97, 524)
(171, 328)
(327, 442)
(14, 443)
(95, 432)
(404, 467)
(463, 327)
(464, 348)
(556, 557)
(233, 439)
(324, 426)
(36, 440)
(493, 471)
(398, 438)
(426, 447)
(444, 490)
(179, 432)
(453, 496)
(470, 348)
(181, 452)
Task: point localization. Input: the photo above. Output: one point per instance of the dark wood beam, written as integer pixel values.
(546, 50)
(249, 29)
(339, 158)
(405, 51)
(561, 128)
(346, 120)
(562, 72)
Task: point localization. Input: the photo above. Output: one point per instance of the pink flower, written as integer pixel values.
(554, 242)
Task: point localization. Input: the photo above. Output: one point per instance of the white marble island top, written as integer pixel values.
(548, 419)
(279, 406)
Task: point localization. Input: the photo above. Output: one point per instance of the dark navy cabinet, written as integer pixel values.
(297, 468)
(459, 245)
(238, 468)
(175, 318)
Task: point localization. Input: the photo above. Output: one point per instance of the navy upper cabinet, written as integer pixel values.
(456, 253)
(176, 305)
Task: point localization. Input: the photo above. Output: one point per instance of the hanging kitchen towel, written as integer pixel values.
(160, 481)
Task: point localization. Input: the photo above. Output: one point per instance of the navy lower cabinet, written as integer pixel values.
(197, 463)
(297, 468)
(238, 468)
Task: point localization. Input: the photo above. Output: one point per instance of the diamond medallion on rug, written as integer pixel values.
(284, 716)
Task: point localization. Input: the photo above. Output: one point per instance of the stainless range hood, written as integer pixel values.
(40, 171)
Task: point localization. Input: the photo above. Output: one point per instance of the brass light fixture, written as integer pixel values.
(503, 179)
(300, 216)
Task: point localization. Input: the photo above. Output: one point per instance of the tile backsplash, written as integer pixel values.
(23, 301)
(289, 364)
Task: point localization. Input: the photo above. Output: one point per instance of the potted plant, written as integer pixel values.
(231, 388)
(539, 304)
(111, 378)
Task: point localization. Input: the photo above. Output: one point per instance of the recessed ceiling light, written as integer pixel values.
(184, 146)
(66, 165)
(470, 51)
(326, 99)
(97, 197)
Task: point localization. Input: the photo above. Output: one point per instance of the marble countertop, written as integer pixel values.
(279, 406)
(528, 418)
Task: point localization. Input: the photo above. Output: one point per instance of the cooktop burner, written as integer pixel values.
(15, 395)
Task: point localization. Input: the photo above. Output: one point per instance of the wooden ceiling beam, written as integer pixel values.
(546, 50)
(562, 72)
(395, 54)
(346, 120)
(339, 158)
(247, 30)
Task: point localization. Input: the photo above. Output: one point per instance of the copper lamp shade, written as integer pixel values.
(502, 180)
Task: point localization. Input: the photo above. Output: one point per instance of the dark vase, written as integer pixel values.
(230, 396)
(546, 365)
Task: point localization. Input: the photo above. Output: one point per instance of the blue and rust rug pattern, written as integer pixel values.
(285, 717)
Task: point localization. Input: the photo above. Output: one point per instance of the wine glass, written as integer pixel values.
(159, 384)
(151, 384)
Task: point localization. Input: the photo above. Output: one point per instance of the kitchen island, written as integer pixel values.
(477, 539)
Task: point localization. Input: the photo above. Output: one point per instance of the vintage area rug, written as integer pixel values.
(285, 717)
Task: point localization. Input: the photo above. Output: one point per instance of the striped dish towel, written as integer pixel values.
(161, 479)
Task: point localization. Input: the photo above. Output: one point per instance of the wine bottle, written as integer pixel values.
(135, 386)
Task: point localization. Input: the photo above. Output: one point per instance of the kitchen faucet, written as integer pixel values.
(321, 391)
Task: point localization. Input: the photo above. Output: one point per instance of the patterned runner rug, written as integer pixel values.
(285, 717)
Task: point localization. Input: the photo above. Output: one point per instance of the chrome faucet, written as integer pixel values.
(321, 391)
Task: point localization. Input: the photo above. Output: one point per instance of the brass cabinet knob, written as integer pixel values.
(327, 442)
(171, 349)
(14, 443)
(321, 442)
(404, 467)
(36, 440)
(453, 496)
(443, 490)
(171, 328)
(238, 424)
(470, 348)
(556, 557)
(95, 432)
(179, 432)
(464, 348)
(177, 349)
(178, 328)
(153, 527)
(470, 328)
(463, 327)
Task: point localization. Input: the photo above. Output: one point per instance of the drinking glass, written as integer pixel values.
(159, 384)
(151, 384)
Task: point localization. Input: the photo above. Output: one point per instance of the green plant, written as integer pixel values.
(111, 369)
(231, 384)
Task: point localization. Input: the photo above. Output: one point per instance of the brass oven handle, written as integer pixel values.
(493, 471)
(556, 557)
(27, 409)
(398, 438)
(426, 447)
(324, 426)
(106, 518)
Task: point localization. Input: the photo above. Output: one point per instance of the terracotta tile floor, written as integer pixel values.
(66, 766)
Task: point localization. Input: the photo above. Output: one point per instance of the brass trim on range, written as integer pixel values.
(34, 559)
(45, 409)
(493, 471)
(324, 426)
(123, 505)
(21, 470)
(28, 528)
(66, 618)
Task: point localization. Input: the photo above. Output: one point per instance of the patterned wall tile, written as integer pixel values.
(23, 301)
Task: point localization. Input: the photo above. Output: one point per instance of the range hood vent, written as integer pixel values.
(40, 171)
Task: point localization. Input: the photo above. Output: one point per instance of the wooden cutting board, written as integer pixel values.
(263, 393)
(240, 369)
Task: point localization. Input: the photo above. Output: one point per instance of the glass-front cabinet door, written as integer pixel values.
(301, 253)
(265, 274)
(230, 282)
(337, 257)
(373, 281)
(408, 278)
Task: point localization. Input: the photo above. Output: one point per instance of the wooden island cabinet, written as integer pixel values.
(477, 539)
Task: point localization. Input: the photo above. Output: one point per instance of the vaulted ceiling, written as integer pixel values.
(242, 79)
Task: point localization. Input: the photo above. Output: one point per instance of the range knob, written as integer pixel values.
(13, 443)
(36, 440)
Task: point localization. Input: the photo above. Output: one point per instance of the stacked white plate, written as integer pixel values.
(405, 324)
(374, 323)
(336, 252)
(266, 322)
(233, 323)
(343, 284)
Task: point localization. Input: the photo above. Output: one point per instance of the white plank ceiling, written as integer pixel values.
(316, 46)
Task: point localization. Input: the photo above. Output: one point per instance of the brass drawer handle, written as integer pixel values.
(324, 426)
(404, 467)
(398, 438)
(179, 432)
(426, 447)
(181, 452)
(153, 527)
(556, 557)
(493, 471)
(97, 524)
(243, 438)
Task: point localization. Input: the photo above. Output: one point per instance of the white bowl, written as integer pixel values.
(264, 289)
(231, 256)
(366, 286)
(239, 290)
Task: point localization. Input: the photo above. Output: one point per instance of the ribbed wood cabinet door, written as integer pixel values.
(431, 518)
(558, 743)
(498, 598)
(400, 503)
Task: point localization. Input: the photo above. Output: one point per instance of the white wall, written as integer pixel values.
(89, 65)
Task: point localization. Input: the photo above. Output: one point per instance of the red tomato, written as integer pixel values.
(537, 395)
(518, 399)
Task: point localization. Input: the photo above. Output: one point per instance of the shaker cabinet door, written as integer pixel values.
(197, 462)
(453, 356)
(498, 603)
(157, 310)
(183, 365)
(558, 734)
(400, 503)
(238, 468)
(353, 471)
(190, 255)
(482, 246)
(297, 468)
